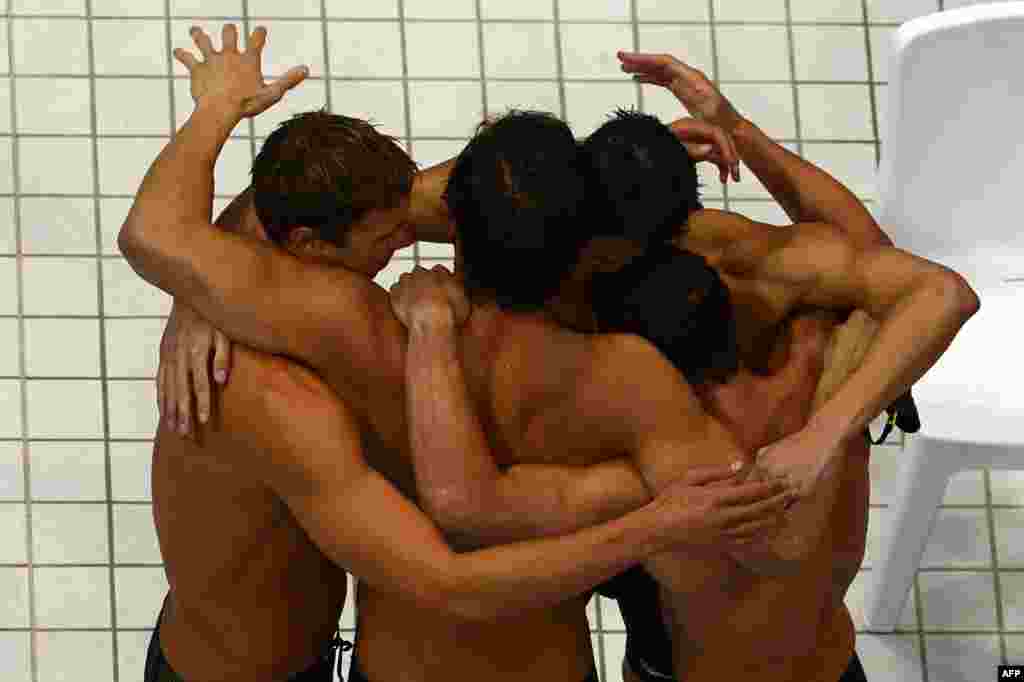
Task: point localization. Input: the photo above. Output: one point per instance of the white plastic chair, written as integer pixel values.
(952, 187)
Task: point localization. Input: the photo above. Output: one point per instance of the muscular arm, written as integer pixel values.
(920, 306)
(302, 441)
(255, 293)
(457, 479)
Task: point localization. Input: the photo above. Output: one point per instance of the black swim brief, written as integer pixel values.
(648, 647)
(355, 673)
(158, 669)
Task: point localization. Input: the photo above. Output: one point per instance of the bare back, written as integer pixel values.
(252, 598)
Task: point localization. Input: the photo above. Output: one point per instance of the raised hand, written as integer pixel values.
(707, 142)
(232, 77)
(691, 86)
(429, 296)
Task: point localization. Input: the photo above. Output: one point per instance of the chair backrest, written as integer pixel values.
(952, 172)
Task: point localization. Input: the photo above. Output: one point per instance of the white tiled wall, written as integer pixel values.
(77, 547)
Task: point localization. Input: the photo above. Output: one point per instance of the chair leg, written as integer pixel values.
(924, 472)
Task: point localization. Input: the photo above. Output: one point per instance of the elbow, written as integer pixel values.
(454, 598)
(454, 513)
(128, 240)
(958, 292)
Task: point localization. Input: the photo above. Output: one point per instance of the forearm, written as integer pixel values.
(908, 341)
(807, 193)
(428, 212)
(455, 472)
(177, 192)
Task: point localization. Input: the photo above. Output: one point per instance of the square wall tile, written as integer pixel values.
(895, 657)
(59, 286)
(1014, 648)
(690, 44)
(459, 59)
(206, 8)
(744, 10)
(611, 616)
(881, 51)
(958, 601)
(524, 9)
(14, 597)
(966, 487)
(15, 654)
(308, 9)
(769, 107)
(10, 409)
(749, 53)
(440, 9)
(853, 165)
(75, 656)
(4, 50)
(835, 112)
(614, 652)
(887, 11)
(64, 409)
(5, 96)
(7, 231)
(365, 49)
(671, 10)
(49, 46)
(588, 105)
(13, 534)
(72, 597)
(135, 540)
(391, 272)
(538, 96)
(10, 348)
(445, 109)
(381, 103)
(1012, 587)
(7, 167)
(128, 8)
(12, 472)
(131, 653)
(140, 593)
(131, 472)
(68, 7)
(519, 50)
(133, 409)
(961, 658)
(310, 96)
(592, 614)
(586, 10)
(1009, 526)
(294, 43)
(830, 53)
(1007, 487)
(826, 10)
(430, 153)
(50, 165)
(54, 225)
(879, 522)
(437, 251)
(125, 293)
(53, 105)
(64, 471)
(960, 539)
(588, 50)
(133, 347)
(149, 113)
(48, 353)
(124, 162)
(130, 47)
(69, 534)
(113, 213)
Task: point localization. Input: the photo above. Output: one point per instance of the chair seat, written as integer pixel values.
(975, 392)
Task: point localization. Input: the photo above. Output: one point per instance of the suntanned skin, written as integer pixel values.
(509, 382)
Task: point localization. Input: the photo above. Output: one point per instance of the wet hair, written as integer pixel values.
(325, 172)
(678, 302)
(645, 183)
(515, 195)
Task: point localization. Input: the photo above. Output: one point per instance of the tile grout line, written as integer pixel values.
(327, 64)
(22, 359)
(713, 28)
(251, 122)
(919, 613)
(602, 660)
(790, 37)
(104, 387)
(481, 58)
(996, 582)
(403, 44)
(385, 79)
(634, 14)
(556, 13)
(872, 99)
